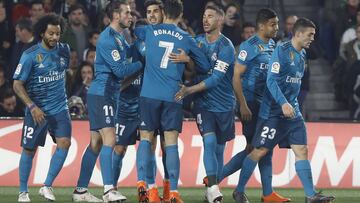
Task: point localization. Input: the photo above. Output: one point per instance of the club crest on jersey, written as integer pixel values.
(275, 67)
(115, 55)
(242, 55)
(107, 120)
(214, 57)
(39, 58)
(261, 48)
(118, 41)
(18, 69)
(292, 56)
(62, 61)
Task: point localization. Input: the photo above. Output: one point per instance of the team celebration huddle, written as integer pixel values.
(138, 93)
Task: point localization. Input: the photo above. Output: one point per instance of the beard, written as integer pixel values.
(49, 44)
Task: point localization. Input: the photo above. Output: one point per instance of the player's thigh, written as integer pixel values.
(33, 135)
(225, 124)
(205, 121)
(101, 112)
(297, 132)
(149, 114)
(126, 131)
(171, 116)
(269, 133)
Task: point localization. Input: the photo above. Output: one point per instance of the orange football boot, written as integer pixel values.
(153, 195)
(274, 197)
(166, 191)
(142, 194)
(175, 197)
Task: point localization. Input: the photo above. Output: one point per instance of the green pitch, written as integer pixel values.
(189, 195)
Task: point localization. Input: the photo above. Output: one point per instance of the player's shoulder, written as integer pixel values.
(107, 37)
(63, 46)
(253, 40)
(33, 49)
(225, 42)
(285, 46)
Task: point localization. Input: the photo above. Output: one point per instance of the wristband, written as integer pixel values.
(32, 106)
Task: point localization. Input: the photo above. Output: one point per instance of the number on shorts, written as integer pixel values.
(108, 109)
(119, 129)
(28, 131)
(169, 46)
(268, 133)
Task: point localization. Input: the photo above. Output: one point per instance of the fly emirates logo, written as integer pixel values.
(52, 76)
(296, 79)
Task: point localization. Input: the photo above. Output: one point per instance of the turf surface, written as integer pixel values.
(189, 195)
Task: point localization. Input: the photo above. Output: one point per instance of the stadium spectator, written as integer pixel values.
(82, 81)
(4, 82)
(71, 71)
(36, 11)
(5, 34)
(289, 25)
(77, 108)
(25, 36)
(92, 7)
(104, 21)
(233, 23)
(20, 10)
(92, 38)
(348, 35)
(76, 34)
(8, 104)
(90, 55)
(248, 31)
(62, 7)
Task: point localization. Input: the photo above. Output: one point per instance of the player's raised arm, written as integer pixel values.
(272, 84)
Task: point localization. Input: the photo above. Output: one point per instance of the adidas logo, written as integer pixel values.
(143, 123)
(41, 65)
(292, 64)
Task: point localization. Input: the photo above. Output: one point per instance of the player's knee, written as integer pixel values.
(300, 151)
(171, 138)
(120, 149)
(249, 148)
(30, 152)
(96, 145)
(258, 153)
(63, 143)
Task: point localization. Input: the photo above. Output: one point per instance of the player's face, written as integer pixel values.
(154, 14)
(271, 27)
(211, 20)
(51, 36)
(307, 36)
(125, 16)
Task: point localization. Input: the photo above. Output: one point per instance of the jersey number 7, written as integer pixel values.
(169, 46)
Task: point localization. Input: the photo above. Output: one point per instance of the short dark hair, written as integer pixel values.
(173, 8)
(76, 7)
(248, 24)
(264, 14)
(217, 9)
(25, 23)
(114, 6)
(153, 2)
(8, 92)
(302, 23)
(92, 33)
(48, 19)
(36, 2)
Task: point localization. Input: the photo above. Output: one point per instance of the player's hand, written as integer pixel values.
(182, 93)
(38, 115)
(288, 110)
(245, 113)
(181, 57)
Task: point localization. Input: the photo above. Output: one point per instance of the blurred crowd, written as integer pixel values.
(338, 41)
